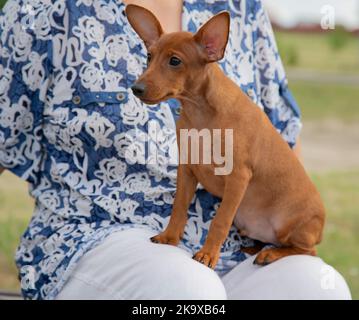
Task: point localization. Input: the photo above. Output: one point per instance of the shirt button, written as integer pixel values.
(120, 96)
(76, 99)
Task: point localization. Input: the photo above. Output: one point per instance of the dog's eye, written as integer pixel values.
(174, 61)
(148, 58)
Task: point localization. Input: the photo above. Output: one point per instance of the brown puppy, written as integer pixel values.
(269, 189)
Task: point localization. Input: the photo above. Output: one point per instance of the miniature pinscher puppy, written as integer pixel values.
(267, 194)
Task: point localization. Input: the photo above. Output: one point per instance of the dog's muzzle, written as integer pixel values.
(138, 89)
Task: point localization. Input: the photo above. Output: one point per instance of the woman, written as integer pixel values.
(101, 165)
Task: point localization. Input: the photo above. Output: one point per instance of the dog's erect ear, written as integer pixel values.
(213, 36)
(145, 23)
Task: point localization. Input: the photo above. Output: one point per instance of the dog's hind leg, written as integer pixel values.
(300, 240)
(270, 255)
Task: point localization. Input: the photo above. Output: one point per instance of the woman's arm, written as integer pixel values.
(275, 96)
(21, 101)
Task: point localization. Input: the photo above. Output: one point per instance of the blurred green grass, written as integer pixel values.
(15, 211)
(319, 101)
(315, 51)
(340, 193)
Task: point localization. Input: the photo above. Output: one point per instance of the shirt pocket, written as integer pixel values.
(87, 122)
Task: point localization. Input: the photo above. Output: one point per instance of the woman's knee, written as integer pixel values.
(307, 277)
(179, 277)
(128, 265)
(314, 278)
(295, 277)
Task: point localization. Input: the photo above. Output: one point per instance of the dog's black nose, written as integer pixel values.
(138, 89)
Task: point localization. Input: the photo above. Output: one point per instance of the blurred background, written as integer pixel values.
(323, 71)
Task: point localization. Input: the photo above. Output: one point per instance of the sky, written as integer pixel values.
(291, 12)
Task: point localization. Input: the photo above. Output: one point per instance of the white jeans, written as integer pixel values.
(127, 265)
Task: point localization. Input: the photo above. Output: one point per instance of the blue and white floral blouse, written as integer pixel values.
(70, 126)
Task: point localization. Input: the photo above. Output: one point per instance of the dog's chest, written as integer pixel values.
(203, 150)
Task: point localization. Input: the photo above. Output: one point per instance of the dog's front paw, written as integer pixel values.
(166, 238)
(207, 257)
